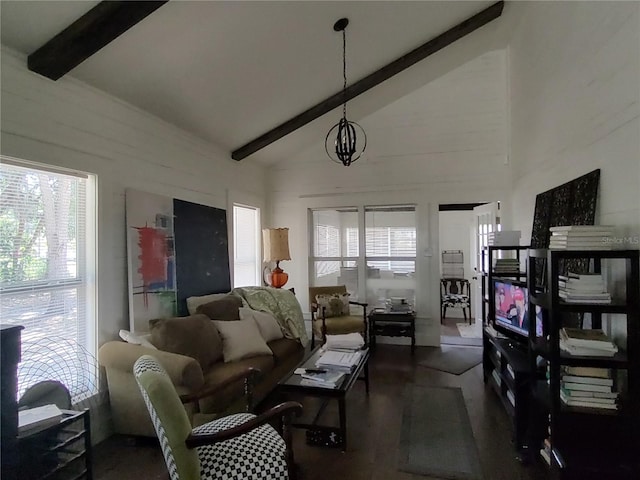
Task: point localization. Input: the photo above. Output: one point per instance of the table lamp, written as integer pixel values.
(275, 242)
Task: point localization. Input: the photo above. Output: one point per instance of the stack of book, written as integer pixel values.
(583, 288)
(506, 266)
(339, 361)
(504, 238)
(586, 342)
(581, 237)
(320, 378)
(349, 342)
(588, 387)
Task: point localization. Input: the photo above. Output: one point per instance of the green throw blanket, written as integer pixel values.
(280, 303)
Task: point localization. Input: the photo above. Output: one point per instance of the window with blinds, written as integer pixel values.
(335, 247)
(246, 246)
(390, 236)
(389, 243)
(47, 272)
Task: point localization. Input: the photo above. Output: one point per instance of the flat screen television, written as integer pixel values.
(512, 314)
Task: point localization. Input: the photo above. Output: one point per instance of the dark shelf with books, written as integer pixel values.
(591, 393)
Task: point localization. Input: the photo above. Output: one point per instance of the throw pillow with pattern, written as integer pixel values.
(336, 305)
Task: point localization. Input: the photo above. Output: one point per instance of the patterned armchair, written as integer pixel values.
(455, 292)
(330, 313)
(236, 446)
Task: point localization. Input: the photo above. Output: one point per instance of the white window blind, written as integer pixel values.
(246, 246)
(47, 267)
(335, 240)
(390, 238)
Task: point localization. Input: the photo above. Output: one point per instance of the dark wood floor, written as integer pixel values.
(373, 426)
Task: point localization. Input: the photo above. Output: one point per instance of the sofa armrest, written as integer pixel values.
(183, 371)
(250, 376)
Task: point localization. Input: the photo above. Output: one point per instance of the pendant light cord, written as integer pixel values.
(344, 72)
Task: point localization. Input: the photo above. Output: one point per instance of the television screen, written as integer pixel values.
(512, 308)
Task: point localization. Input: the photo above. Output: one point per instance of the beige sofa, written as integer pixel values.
(191, 350)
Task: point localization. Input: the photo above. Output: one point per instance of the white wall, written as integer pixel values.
(68, 124)
(444, 143)
(575, 104)
(575, 107)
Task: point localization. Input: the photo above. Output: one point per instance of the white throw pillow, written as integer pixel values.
(241, 340)
(137, 339)
(194, 302)
(267, 323)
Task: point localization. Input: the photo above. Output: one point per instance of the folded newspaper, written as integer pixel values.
(36, 419)
(350, 341)
(327, 379)
(338, 360)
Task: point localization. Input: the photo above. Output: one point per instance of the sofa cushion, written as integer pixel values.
(335, 305)
(225, 308)
(284, 348)
(194, 302)
(241, 339)
(195, 336)
(221, 372)
(341, 325)
(267, 323)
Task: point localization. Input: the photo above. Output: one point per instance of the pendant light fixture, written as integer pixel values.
(346, 140)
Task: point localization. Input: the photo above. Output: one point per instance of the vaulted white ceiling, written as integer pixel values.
(228, 71)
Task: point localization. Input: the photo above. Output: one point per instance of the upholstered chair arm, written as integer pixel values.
(362, 304)
(182, 370)
(250, 376)
(283, 411)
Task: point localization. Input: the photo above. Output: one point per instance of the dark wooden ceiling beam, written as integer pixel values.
(84, 37)
(438, 43)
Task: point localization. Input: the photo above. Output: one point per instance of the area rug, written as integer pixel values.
(470, 331)
(436, 437)
(455, 360)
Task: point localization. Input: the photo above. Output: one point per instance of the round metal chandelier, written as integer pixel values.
(346, 141)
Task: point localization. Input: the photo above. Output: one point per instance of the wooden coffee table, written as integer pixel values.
(320, 434)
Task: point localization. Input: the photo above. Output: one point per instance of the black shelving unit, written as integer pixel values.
(586, 443)
(506, 370)
(63, 451)
(504, 362)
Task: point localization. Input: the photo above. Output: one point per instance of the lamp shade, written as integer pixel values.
(275, 243)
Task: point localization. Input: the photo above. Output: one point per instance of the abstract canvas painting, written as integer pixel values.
(150, 245)
(176, 249)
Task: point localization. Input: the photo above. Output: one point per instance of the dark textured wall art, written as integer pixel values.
(572, 203)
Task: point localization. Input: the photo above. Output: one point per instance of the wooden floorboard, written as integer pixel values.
(373, 424)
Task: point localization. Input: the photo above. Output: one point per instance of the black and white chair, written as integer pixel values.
(236, 446)
(455, 292)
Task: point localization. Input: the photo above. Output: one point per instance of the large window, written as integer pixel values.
(246, 246)
(47, 273)
(387, 246)
(390, 238)
(335, 248)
